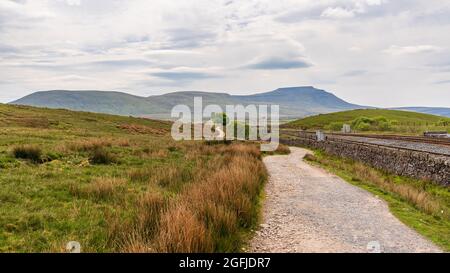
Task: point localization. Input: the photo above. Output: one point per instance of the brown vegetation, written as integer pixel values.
(281, 150)
(142, 129)
(102, 156)
(30, 152)
(99, 189)
(209, 214)
(89, 144)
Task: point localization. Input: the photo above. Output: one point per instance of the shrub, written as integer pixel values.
(379, 123)
(29, 152)
(382, 123)
(362, 126)
(384, 126)
(380, 119)
(335, 126)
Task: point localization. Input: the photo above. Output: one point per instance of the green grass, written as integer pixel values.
(419, 204)
(108, 181)
(374, 120)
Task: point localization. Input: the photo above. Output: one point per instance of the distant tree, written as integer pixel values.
(334, 126)
(220, 118)
(443, 122)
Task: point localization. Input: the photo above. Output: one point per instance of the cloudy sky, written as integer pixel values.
(371, 52)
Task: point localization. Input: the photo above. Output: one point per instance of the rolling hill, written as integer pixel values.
(374, 120)
(294, 102)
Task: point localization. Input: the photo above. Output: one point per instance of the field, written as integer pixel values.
(120, 184)
(374, 120)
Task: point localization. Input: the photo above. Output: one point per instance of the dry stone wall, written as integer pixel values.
(414, 164)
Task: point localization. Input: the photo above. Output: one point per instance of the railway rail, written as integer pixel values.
(428, 140)
(336, 137)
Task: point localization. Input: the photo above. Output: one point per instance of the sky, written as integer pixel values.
(385, 53)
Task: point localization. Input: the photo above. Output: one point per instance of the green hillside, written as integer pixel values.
(120, 184)
(294, 102)
(376, 120)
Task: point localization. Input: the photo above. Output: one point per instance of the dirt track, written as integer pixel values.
(309, 210)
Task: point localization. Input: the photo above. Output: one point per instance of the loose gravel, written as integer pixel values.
(310, 210)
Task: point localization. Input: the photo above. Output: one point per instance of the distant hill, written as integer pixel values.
(89, 101)
(374, 120)
(294, 102)
(438, 111)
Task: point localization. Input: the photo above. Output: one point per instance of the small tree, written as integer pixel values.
(220, 118)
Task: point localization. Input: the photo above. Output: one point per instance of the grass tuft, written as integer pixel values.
(102, 156)
(102, 188)
(30, 152)
(182, 231)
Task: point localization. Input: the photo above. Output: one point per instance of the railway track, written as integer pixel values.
(415, 145)
(418, 139)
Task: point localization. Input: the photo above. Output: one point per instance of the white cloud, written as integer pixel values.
(401, 50)
(221, 45)
(73, 2)
(375, 2)
(355, 49)
(338, 13)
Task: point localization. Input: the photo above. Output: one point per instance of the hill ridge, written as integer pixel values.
(294, 101)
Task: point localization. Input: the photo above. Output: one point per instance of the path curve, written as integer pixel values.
(310, 210)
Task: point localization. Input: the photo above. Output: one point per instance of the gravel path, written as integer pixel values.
(309, 210)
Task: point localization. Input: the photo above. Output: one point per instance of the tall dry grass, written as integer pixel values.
(89, 145)
(171, 176)
(182, 230)
(100, 188)
(30, 152)
(216, 203)
(217, 207)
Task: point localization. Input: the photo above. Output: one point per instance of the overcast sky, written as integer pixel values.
(371, 52)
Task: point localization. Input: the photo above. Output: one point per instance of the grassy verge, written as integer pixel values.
(419, 204)
(120, 184)
(281, 150)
